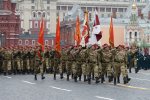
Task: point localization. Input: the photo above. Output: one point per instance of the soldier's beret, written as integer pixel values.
(105, 45)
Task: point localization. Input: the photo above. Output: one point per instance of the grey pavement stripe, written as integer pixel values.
(104, 98)
(28, 82)
(7, 77)
(60, 89)
(140, 79)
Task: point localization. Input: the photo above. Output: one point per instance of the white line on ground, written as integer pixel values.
(144, 73)
(28, 82)
(99, 97)
(129, 86)
(7, 77)
(140, 79)
(60, 88)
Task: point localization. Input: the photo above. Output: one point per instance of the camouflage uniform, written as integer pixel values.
(106, 60)
(120, 65)
(39, 63)
(7, 62)
(69, 63)
(62, 65)
(84, 59)
(47, 61)
(1, 60)
(133, 61)
(32, 60)
(93, 64)
(56, 60)
(76, 65)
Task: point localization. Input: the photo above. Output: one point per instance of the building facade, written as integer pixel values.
(31, 11)
(9, 23)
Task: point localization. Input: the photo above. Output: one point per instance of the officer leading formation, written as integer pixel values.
(94, 63)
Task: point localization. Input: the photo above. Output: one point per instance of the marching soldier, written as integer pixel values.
(84, 60)
(32, 59)
(133, 55)
(47, 60)
(120, 64)
(69, 62)
(63, 60)
(1, 60)
(7, 61)
(106, 60)
(93, 64)
(39, 63)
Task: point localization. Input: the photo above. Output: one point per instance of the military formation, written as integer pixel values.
(92, 63)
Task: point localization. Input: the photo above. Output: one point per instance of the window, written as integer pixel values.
(121, 16)
(130, 35)
(63, 8)
(20, 42)
(90, 16)
(26, 42)
(34, 14)
(70, 7)
(108, 9)
(102, 9)
(48, 1)
(102, 15)
(46, 42)
(135, 34)
(48, 8)
(35, 24)
(33, 42)
(52, 42)
(39, 14)
(32, 7)
(32, 1)
(120, 9)
(58, 7)
(89, 8)
(48, 13)
(43, 14)
(114, 9)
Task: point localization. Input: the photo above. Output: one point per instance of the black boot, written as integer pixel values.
(42, 77)
(118, 79)
(93, 76)
(54, 76)
(97, 80)
(67, 77)
(110, 78)
(79, 77)
(102, 79)
(4, 73)
(35, 77)
(72, 76)
(85, 78)
(114, 80)
(89, 79)
(125, 80)
(130, 70)
(75, 79)
(61, 76)
(128, 79)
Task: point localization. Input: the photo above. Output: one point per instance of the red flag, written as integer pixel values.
(77, 34)
(41, 35)
(111, 33)
(86, 29)
(57, 39)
